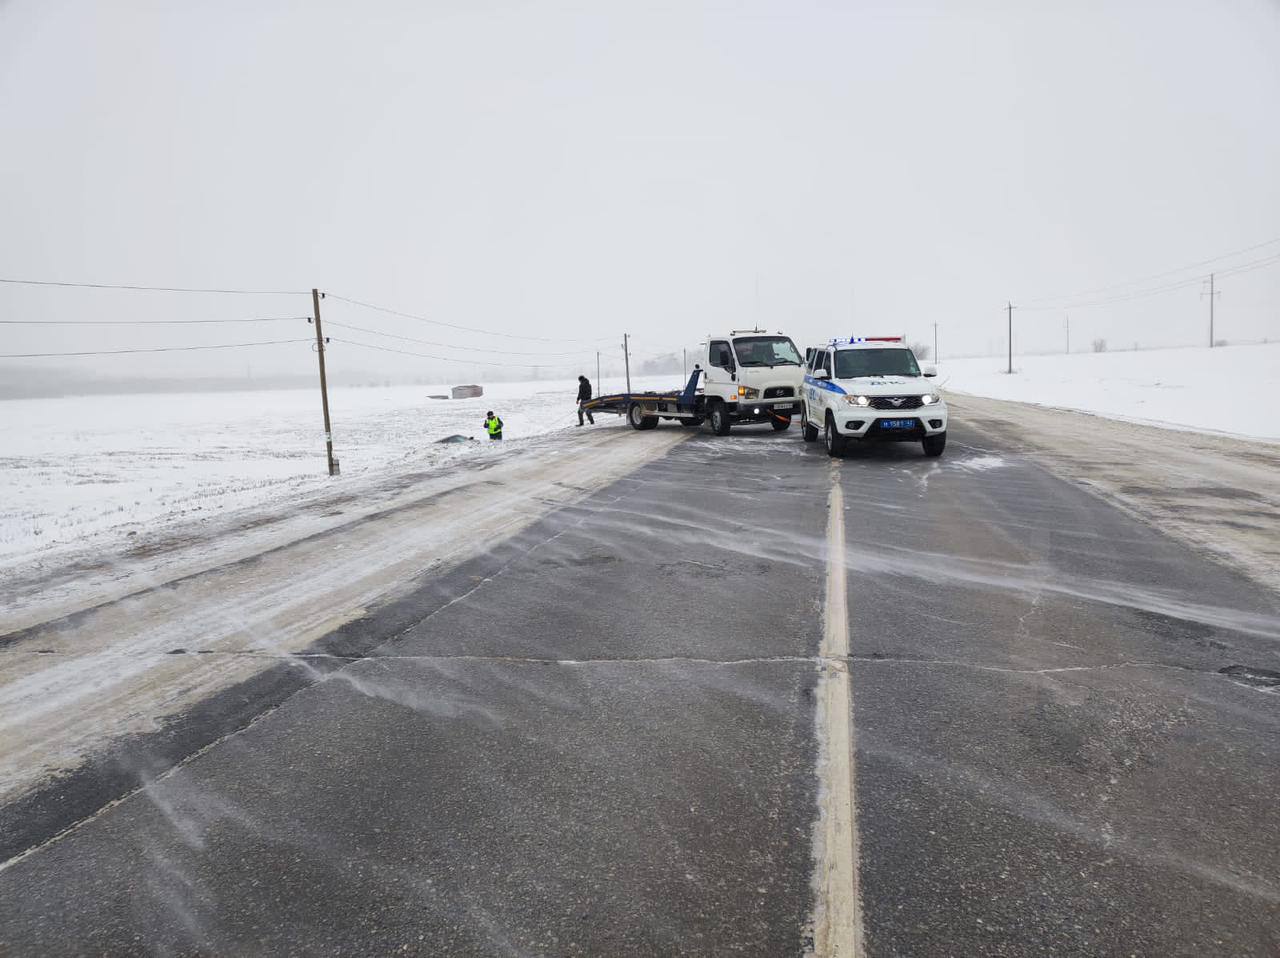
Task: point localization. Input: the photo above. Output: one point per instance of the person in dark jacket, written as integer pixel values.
(493, 426)
(584, 395)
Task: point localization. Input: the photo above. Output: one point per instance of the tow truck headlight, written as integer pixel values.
(930, 399)
(747, 392)
(858, 400)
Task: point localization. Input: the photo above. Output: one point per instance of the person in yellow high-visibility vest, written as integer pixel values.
(493, 426)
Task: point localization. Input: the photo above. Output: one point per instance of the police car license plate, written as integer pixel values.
(897, 423)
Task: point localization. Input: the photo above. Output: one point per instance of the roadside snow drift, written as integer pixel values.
(1229, 389)
(84, 471)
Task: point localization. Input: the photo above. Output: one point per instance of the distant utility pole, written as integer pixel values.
(1212, 294)
(684, 362)
(597, 371)
(626, 357)
(1011, 339)
(935, 342)
(324, 384)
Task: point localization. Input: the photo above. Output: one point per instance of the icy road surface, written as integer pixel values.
(615, 727)
(175, 634)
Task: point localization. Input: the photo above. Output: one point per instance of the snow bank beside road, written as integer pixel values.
(83, 471)
(1229, 389)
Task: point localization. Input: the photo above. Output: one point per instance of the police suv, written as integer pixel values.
(871, 388)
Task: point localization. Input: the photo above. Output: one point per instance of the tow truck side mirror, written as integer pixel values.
(929, 371)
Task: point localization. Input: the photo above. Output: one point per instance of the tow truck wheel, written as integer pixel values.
(637, 418)
(834, 441)
(720, 420)
(933, 445)
(808, 429)
(779, 425)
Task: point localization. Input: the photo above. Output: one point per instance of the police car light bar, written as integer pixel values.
(865, 339)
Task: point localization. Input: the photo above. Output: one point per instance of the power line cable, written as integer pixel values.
(147, 322)
(469, 329)
(158, 289)
(151, 349)
(475, 349)
(448, 359)
(1166, 288)
(1145, 279)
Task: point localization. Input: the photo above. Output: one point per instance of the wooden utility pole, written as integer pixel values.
(1010, 339)
(324, 384)
(626, 358)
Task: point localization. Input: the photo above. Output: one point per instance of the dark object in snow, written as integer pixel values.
(467, 392)
(437, 397)
(454, 438)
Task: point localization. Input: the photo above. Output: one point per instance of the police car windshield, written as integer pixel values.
(766, 351)
(852, 363)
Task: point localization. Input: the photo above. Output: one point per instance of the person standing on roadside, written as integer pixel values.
(493, 426)
(584, 395)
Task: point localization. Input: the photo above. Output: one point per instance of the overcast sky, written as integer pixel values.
(573, 171)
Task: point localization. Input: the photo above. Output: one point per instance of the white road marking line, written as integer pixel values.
(838, 894)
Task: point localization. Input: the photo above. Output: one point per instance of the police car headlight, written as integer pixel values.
(930, 399)
(858, 400)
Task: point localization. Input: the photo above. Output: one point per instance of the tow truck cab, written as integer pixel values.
(871, 388)
(751, 376)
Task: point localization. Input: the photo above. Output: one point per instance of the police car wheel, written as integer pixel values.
(834, 441)
(808, 429)
(933, 445)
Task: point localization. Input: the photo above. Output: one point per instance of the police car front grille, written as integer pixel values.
(896, 402)
(775, 392)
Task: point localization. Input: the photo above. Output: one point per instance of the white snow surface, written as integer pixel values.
(80, 473)
(1228, 389)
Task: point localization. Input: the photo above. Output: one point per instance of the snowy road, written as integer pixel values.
(601, 732)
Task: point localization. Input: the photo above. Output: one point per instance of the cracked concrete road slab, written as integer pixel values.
(598, 736)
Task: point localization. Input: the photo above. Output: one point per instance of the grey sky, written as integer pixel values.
(577, 170)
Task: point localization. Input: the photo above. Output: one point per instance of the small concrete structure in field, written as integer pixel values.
(467, 392)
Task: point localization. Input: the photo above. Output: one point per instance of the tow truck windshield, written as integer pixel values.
(766, 351)
(853, 363)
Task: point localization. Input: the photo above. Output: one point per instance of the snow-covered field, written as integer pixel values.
(84, 470)
(1229, 389)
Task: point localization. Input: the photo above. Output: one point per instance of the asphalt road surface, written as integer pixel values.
(604, 736)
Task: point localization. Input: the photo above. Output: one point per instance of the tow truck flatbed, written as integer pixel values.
(644, 409)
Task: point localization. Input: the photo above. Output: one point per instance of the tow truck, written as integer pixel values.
(750, 376)
(871, 389)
